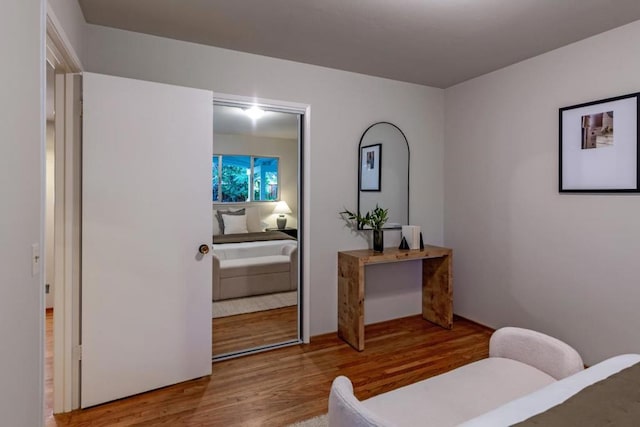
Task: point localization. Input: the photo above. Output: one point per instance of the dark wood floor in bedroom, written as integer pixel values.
(283, 386)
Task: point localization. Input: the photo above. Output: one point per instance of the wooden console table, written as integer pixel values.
(437, 287)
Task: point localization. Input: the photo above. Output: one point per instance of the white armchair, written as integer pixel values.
(521, 361)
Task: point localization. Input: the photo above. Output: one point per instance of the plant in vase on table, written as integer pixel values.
(375, 219)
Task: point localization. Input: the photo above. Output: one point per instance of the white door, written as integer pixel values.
(146, 208)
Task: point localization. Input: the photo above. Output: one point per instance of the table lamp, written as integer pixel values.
(281, 209)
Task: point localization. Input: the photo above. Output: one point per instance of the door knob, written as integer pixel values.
(203, 249)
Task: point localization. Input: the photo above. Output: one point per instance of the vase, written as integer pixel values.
(378, 241)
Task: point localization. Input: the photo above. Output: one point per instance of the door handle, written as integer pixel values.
(203, 249)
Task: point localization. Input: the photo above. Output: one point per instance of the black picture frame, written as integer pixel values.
(370, 176)
(599, 150)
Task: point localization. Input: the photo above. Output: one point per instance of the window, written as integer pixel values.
(238, 178)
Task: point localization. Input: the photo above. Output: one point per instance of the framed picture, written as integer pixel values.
(599, 146)
(370, 172)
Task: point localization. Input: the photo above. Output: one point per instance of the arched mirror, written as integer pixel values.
(383, 173)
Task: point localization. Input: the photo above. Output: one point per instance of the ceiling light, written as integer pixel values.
(254, 112)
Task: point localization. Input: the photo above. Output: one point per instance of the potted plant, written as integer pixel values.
(375, 219)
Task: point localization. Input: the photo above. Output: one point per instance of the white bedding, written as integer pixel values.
(549, 396)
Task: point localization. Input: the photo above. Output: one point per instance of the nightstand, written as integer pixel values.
(293, 232)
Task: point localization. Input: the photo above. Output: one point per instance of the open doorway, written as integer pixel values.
(49, 230)
(61, 218)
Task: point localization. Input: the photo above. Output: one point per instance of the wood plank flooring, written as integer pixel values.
(48, 365)
(245, 331)
(283, 386)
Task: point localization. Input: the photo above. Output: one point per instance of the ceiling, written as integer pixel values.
(433, 42)
(234, 121)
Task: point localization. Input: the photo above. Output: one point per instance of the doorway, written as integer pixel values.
(62, 107)
(49, 227)
(256, 183)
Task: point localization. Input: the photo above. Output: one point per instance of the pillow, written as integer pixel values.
(234, 224)
(216, 224)
(219, 214)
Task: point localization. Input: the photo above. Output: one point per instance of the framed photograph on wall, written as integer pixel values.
(370, 172)
(599, 146)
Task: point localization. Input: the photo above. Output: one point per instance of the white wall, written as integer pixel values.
(524, 254)
(71, 24)
(287, 152)
(21, 213)
(343, 105)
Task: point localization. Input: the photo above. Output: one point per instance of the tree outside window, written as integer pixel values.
(244, 178)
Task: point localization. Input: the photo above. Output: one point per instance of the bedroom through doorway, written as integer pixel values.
(257, 227)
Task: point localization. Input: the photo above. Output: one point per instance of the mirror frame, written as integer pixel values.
(303, 113)
(408, 169)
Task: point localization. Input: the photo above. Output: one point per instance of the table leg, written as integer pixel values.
(437, 291)
(351, 301)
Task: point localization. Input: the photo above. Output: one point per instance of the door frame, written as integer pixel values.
(304, 193)
(66, 385)
(61, 54)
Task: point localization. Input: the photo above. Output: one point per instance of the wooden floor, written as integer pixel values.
(48, 366)
(283, 386)
(245, 331)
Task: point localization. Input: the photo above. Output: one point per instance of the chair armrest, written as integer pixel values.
(216, 277)
(345, 410)
(548, 354)
(292, 252)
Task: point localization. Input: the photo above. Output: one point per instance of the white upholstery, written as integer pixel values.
(464, 393)
(347, 411)
(255, 268)
(458, 395)
(256, 265)
(547, 397)
(546, 353)
(254, 249)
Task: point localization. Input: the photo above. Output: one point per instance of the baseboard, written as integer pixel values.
(455, 316)
(481, 325)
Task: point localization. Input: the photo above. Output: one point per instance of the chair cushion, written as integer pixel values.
(255, 265)
(458, 395)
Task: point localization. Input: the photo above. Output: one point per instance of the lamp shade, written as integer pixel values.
(282, 208)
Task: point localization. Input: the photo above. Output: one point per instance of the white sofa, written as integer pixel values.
(256, 268)
(526, 373)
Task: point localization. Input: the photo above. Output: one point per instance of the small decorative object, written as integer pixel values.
(421, 242)
(370, 172)
(599, 146)
(403, 244)
(378, 240)
(281, 209)
(374, 219)
(412, 234)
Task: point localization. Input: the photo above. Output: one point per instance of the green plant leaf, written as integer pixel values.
(376, 218)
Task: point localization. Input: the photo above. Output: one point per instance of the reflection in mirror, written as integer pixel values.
(383, 178)
(255, 263)
(235, 176)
